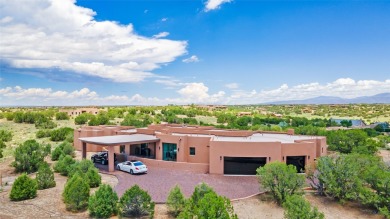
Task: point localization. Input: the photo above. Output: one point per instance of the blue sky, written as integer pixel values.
(179, 52)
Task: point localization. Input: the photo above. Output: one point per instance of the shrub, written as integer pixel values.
(93, 177)
(81, 119)
(205, 203)
(103, 204)
(5, 135)
(61, 134)
(45, 177)
(296, 207)
(2, 146)
(200, 191)
(175, 201)
(136, 202)
(45, 123)
(340, 176)
(69, 138)
(43, 133)
(29, 155)
(9, 116)
(68, 149)
(64, 148)
(214, 206)
(18, 117)
(62, 116)
(76, 194)
(23, 188)
(88, 171)
(281, 180)
(100, 119)
(64, 165)
(56, 153)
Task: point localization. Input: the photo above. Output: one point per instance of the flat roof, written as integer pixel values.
(129, 130)
(120, 139)
(266, 137)
(257, 137)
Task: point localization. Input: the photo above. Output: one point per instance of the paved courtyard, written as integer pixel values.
(159, 181)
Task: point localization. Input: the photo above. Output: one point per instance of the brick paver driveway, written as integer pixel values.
(159, 181)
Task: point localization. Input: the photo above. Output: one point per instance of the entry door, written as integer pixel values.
(169, 151)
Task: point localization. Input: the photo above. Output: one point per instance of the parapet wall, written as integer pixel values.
(181, 166)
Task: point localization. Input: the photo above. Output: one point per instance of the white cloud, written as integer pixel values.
(232, 85)
(51, 34)
(161, 35)
(190, 93)
(164, 19)
(343, 87)
(169, 83)
(194, 93)
(214, 4)
(191, 59)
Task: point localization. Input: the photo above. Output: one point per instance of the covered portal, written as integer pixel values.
(115, 141)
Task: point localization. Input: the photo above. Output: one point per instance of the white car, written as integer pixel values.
(132, 167)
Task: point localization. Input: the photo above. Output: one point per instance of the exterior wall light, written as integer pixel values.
(220, 157)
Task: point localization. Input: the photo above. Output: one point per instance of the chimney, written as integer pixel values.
(290, 131)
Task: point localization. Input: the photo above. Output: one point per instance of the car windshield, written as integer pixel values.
(138, 163)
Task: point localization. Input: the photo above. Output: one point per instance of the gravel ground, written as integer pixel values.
(159, 181)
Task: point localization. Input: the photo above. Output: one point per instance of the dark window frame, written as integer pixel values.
(192, 149)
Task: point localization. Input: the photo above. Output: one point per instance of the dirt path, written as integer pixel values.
(335, 210)
(256, 208)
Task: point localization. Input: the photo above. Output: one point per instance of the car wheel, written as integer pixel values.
(131, 172)
(93, 160)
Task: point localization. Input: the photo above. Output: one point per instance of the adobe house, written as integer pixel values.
(78, 111)
(201, 148)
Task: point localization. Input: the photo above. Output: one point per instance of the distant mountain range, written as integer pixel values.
(379, 98)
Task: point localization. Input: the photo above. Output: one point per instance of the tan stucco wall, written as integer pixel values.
(299, 149)
(182, 166)
(202, 149)
(218, 149)
(209, 153)
(164, 138)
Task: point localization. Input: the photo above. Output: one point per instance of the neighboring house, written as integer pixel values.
(283, 124)
(202, 148)
(244, 113)
(383, 125)
(355, 122)
(79, 111)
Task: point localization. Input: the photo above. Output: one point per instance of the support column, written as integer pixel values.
(111, 161)
(127, 150)
(84, 150)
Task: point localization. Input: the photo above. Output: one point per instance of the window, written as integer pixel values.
(192, 151)
(122, 149)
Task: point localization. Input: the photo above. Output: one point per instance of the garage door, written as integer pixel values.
(242, 165)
